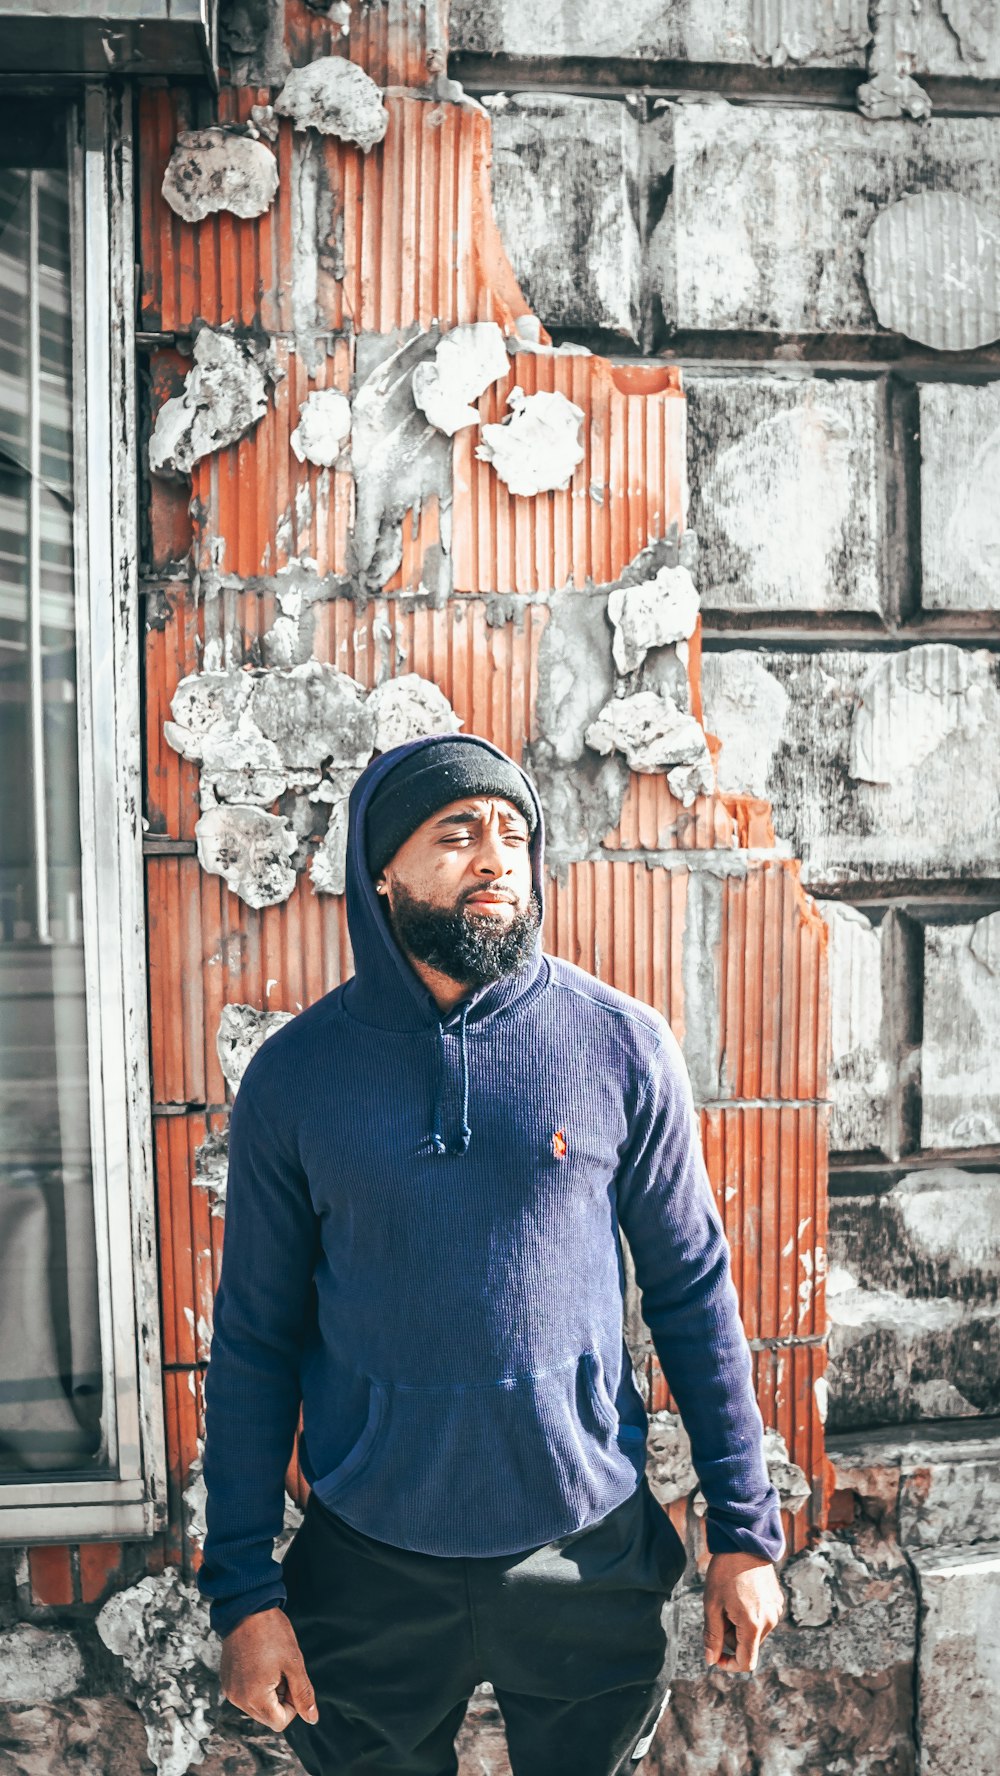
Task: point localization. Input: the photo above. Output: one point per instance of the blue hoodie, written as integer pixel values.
(421, 1242)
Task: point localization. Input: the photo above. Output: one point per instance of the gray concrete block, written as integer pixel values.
(960, 1063)
(955, 40)
(939, 1482)
(881, 766)
(958, 1688)
(787, 483)
(770, 210)
(912, 1298)
(809, 31)
(566, 174)
(859, 1072)
(959, 513)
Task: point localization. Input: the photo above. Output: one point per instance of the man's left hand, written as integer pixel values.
(743, 1602)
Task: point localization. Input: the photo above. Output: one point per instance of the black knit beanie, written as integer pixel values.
(430, 778)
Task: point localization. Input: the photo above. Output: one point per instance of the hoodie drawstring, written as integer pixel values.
(436, 1135)
(465, 1132)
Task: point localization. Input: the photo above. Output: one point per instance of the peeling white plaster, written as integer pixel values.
(258, 734)
(337, 98)
(211, 1171)
(224, 397)
(160, 1630)
(240, 766)
(328, 864)
(537, 448)
(652, 614)
(242, 1031)
(324, 426)
(251, 850)
(399, 461)
(655, 735)
(910, 704)
(316, 714)
(219, 169)
(407, 708)
(38, 1664)
(264, 121)
(891, 90)
(468, 359)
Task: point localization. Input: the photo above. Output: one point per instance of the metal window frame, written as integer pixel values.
(129, 1500)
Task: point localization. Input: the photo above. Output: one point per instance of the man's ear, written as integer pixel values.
(381, 886)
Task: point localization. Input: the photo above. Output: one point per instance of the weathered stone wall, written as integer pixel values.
(826, 273)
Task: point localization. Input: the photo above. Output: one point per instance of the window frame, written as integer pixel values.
(128, 1499)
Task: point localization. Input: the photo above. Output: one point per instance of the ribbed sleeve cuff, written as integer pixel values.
(766, 1540)
(224, 1616)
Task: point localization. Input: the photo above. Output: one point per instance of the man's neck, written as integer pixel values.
(446, 991)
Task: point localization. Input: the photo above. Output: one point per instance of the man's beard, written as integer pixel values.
(470, 947)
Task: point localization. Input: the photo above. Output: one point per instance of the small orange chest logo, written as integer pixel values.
(559, 1143)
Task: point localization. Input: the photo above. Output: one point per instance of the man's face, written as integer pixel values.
(459, 891)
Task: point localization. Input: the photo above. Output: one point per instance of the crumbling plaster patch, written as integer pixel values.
(160, 1630)
(408, 706)
(652, 614)
(399, 459)
(890, 90)
(211, 1168)
(305, 731)
(224, 397)
(655, 735)
(323, 428)
(537, 447)
(251, 850)
(466, 361)
(242, 1031)
(38, 1664)
(219, 169)
(337, 98)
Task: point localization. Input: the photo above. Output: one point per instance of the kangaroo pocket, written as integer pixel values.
(484, 1469)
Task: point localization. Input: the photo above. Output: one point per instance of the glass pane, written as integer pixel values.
(50, 1349)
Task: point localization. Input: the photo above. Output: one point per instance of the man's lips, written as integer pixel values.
(488, 898)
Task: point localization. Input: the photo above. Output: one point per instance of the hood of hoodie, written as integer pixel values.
(384, 989)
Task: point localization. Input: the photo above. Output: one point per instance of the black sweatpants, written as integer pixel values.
(573, 1636)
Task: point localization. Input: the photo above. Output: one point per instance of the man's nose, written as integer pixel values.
(490, 858)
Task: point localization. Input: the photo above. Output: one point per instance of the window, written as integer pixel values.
(81, 1440)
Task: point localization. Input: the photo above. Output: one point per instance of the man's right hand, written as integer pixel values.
(263, 1671)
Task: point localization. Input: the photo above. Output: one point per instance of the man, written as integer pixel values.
(428, 1170)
